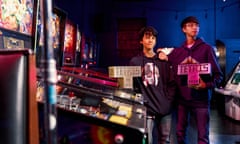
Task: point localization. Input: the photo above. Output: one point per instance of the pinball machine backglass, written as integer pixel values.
(17, 24)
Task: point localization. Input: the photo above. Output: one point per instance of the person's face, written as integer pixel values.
(191, 29)
(148, 41)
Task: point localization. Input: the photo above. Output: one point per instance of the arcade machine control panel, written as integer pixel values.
(96, 100)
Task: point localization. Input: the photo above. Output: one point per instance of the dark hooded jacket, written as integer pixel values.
(202, 53)
(157, 84)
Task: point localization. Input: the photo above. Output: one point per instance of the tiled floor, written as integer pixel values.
(223, 130)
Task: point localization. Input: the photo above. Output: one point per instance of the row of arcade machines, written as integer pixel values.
(25, 30)
(94, 109)
(71, 46)
(231, 93)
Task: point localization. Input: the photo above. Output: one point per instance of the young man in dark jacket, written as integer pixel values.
(157, 86)
(194, 98)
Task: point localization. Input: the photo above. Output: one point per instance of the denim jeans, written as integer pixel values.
(201, 117)
(159, 129)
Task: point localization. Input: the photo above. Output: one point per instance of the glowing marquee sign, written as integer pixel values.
(193, 71)
(125, 74)
(201, 68)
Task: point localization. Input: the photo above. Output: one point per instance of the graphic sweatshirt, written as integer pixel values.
(156, 84)
(200, 52)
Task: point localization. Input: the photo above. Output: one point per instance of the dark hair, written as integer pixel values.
(219, 43)
(188, 20)
(149, 29)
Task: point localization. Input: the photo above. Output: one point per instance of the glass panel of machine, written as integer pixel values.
(90, 48)
(58, 24)
(236, 78)
(17, 15)
(70, 38)
(17, 22)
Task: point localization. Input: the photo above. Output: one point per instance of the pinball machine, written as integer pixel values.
(231, 93)
(94, 109)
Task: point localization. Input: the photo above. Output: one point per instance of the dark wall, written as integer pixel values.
(97, 18)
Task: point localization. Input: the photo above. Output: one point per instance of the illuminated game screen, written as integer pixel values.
(17, 15)
(17, 24)
(70, 39)
(89, 51)
(236, 78)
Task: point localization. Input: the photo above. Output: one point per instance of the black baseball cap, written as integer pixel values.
(188, 20)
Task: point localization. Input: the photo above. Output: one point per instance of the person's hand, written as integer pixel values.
(161, 54)
(201, 85)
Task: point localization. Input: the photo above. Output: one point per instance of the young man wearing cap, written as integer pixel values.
(195, 98)
(157, 86)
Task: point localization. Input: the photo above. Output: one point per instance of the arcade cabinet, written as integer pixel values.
(231, 92)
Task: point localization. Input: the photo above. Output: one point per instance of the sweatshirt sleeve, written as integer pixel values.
(171, 83)
(217, 75)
